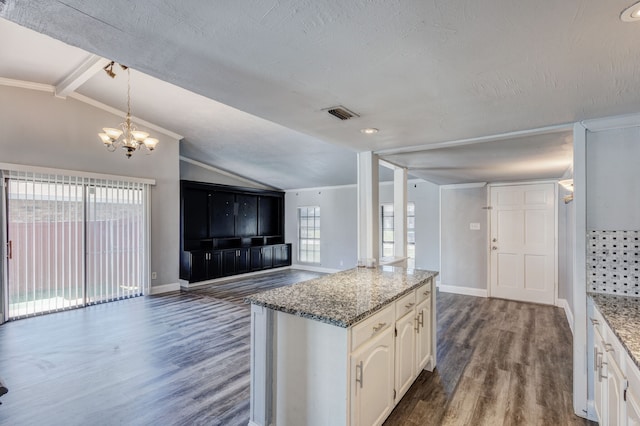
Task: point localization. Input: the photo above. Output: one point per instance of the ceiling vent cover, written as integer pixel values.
(341, 112)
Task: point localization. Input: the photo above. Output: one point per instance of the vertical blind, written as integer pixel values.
(74, 241)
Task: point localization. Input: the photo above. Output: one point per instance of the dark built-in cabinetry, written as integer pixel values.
(228, 230)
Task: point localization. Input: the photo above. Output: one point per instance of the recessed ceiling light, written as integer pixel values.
(369, 131)
(631, 14)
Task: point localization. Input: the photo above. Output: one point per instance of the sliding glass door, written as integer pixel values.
(115, 242)
(73, 241)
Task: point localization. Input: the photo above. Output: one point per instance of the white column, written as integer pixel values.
(580, 350)
(368, 207)
(400, 212)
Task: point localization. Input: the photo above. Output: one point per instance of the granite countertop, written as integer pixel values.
(344, 298)
(622, 313)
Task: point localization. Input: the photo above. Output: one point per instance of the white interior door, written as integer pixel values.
(523, 248)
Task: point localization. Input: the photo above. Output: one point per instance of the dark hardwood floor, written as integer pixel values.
(183, 359)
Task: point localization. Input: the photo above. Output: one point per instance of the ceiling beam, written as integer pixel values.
(92, 65)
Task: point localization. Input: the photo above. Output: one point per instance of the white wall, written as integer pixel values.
(197, 173)
(338, 224)
(613, 180)
(38, 129)
(338, 210)
(426, 197)
(463, 251)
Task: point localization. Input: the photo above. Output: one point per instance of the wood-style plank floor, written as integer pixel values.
(183, 359)
(499, 363)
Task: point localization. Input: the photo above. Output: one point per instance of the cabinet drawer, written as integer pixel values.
(405, 304)
(423, 292)
(372, 326)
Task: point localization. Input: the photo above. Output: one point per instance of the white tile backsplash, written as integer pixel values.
(613, 262)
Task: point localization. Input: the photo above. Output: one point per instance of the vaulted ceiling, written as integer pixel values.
(460, 90)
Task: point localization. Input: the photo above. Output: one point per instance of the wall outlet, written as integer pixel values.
(154, 275)
(474, 226)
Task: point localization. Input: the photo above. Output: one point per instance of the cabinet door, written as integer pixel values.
(423, 335)
(599, 380)
(195, 214)
(372, 380)
(247, 218)
(267, 257)
(405, 353)
(198, 266)
(633, 398)
(243, 263)
(229, 262)
(222, 217)
(215, 265)
(281, 255)
(615, 387)
(256, 258)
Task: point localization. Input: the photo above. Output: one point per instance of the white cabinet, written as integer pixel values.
(616, 386)
(633, 396)
(616, 378)
(599, 379)
(405, 353)
(423, 332)
(372, 373)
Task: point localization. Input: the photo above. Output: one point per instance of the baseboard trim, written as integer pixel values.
(562, 303)
(315, 269)
(185, 285)
(467, 291)
(164, 288)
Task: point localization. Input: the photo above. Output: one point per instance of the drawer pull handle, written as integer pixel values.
(416, 321)
(421, 319)
(594, 321)
(595, 359)
(409, 305)
(608, 347)
(426, 293)
(379, 327)
(359, 376)
(600, 376)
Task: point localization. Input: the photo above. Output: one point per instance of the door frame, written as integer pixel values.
(4, 279)
(556, 299)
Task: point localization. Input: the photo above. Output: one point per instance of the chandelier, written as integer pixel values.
(132, 139)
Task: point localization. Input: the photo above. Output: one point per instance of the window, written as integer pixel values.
(387, 230)
(309, 234)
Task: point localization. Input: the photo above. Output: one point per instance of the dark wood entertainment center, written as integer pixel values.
(229, 230)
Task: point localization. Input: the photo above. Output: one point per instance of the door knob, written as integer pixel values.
(494, 248)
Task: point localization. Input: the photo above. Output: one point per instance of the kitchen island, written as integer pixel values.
(341, 349)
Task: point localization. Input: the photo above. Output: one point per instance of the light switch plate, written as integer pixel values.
(474, 226)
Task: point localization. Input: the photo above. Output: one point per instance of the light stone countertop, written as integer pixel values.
(344, 298)
(622, 314)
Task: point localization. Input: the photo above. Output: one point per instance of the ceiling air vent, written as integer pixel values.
(341, 112)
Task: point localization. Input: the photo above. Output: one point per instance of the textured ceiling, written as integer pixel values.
(423, 72)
